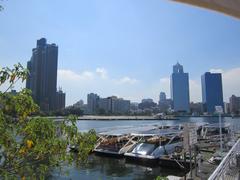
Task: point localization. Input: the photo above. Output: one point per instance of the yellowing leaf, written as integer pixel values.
(29, 144)
(22, 151)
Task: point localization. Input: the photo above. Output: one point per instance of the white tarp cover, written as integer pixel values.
(229, 7)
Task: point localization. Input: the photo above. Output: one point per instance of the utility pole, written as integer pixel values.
(219, 110)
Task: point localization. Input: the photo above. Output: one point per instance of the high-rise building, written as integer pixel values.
(180, 89)
(226, 108)
(79, 104)
(60, 99)
(162, 97)
(147, 104)
(42, 79)
(212, 93)
(148, 100)
(105, 105)
(114, 105)
(234, 104)
(92, 103)
(120, 106)
(164, 104)
(196, 108)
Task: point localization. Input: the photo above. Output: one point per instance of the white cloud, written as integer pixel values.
(102, 72)
(71, 75)
(164, 86)
(195, 90)
(78, 85)
(231, 83)
(165, 80)
(216, 70)
(126, 80)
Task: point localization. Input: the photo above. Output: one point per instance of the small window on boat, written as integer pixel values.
(163, 143)
(176, 140)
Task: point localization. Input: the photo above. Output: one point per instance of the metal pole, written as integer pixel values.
(185, 164)
(220, 131)
(195, 160)
(190, 152)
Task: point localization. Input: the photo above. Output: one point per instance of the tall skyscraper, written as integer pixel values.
(42, 79)
(212, 93)
(180, 89)
(92, 103)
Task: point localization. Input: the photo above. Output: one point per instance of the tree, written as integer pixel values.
(1, 7)
(30, 147)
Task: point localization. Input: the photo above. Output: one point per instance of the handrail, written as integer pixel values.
(223, 166)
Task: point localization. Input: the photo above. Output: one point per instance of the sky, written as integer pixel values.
(123, 47)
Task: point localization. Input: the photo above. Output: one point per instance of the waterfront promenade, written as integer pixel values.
(92, 117)
(95, 117)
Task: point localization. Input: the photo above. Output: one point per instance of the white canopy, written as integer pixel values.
(229, 7)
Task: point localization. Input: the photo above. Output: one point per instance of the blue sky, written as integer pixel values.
(123, 47)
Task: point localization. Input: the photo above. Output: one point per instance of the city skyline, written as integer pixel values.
(126, 54)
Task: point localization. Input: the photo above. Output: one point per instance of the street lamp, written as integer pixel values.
(219, 110)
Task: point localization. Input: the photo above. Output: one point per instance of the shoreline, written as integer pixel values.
(125, 118)
(117, 118)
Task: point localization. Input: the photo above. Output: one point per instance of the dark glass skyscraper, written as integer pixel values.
(212, 93)
(42, 79)
(180, 89)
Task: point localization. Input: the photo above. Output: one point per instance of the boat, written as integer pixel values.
(162, 116)
(118, 141)
(211, 131)
(113, 145)
(151, 149)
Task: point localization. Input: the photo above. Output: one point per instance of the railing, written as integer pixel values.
(226, 164)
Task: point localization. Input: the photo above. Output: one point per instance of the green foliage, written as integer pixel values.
(161, 178)
(1, 7)
(69, 110)
(30, 147)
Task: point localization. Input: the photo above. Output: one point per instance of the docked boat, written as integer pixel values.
(166, 142)
(113, 145)
(162, 116)
(211, 131)
(118, 142)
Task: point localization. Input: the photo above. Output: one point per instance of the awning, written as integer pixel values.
(229, 7)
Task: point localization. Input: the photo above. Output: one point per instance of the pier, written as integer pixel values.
(208, 147)
(229, 168)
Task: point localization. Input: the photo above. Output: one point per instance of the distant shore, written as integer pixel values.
(94, 117)
(102, 118)
(117, 118)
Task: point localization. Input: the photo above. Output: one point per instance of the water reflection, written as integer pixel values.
(99, 167)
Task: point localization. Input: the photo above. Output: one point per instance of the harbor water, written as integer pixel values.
(112, 168)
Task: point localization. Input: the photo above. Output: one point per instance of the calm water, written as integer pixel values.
(112, 168)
